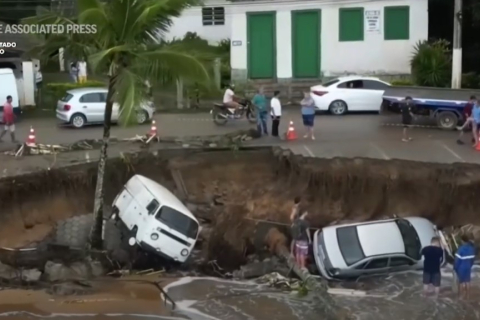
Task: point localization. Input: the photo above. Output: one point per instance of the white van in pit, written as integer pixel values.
(158, 221)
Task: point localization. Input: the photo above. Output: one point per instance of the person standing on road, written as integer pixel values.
(467, 114)
(464, 259)
(433, 255)
(407, 117)
(8, 120)
(301, 235)
(275, 112)
(82, 71)
(74, 72)
(308, 114)
(260, 103)
(476, 122)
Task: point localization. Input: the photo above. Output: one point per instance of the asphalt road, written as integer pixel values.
(362, 135)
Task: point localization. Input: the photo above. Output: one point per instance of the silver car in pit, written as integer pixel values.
(358, 249)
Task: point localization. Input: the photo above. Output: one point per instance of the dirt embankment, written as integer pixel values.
(255, 185)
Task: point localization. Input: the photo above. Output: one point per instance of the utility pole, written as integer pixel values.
(457, 45)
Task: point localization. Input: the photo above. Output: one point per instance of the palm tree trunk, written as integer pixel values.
(96, 232)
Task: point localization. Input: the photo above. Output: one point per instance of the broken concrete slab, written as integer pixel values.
(55, 272)
(9, 273)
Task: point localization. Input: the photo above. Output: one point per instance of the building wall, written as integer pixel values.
(191, 21)
(374, 55)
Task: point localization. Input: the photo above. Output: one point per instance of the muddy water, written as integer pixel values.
(389, 297)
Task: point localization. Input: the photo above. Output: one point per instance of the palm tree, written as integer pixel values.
(126, 48)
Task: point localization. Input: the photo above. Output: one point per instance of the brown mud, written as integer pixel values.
(250, 184)
(122, 296)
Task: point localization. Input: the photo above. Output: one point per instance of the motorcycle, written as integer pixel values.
(222, 114)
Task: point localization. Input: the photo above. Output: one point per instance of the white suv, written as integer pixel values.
(87, 106)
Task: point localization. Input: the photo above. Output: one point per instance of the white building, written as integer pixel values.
(288, 39)
(309, 39)
(210, 22)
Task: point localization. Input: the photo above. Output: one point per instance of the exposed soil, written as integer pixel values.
(251, 184)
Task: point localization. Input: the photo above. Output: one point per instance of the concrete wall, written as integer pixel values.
(374, 55)
(191, 21)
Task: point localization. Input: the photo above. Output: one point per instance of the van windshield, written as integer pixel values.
(178, 221)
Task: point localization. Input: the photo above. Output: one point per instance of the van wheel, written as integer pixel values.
(78, 120)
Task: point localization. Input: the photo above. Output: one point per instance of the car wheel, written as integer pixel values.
(78, 120)
(142, 117)
(338, 107)
(447, 120)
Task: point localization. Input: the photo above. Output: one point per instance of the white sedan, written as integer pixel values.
(349, 94)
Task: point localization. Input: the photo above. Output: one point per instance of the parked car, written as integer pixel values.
(353, 250)
(156, 220)
(83, 106)
(349, 94)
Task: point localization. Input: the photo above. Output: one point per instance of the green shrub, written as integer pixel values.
(470, 80)
(402, 82)
(431, 64)
(57, 90)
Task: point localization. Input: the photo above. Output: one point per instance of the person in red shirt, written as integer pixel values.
(8, 119)
(467, 114)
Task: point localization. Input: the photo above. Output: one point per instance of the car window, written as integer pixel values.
(153, 207)
(361, 266)
(377, 263)
(103, 97)
(66, 97)
(374, 85)
(354, 84)
(400, 262)
(350, 245)
(91, 98)
(330, 83)
(178, 221)
(410, 237)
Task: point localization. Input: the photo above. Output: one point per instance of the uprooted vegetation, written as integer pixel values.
(233, 190)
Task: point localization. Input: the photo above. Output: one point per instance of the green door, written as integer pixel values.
(261, 45)
(306, 44)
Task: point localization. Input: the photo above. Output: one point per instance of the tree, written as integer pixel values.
(126, 47)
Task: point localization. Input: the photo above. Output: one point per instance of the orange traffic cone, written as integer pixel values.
(291, 134)
(153, 129)
(31, 140)
(477, 147)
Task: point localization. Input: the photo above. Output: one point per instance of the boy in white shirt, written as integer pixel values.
(229, 99)
(275, 112)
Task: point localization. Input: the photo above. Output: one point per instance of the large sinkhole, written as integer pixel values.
(245, 187)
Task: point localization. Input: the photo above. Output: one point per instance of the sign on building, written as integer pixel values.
(372, 21)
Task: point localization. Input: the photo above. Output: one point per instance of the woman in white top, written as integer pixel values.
(275, 112)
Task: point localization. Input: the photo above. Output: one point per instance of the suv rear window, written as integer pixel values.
(66, 97)
(350, 245)
(178, 222)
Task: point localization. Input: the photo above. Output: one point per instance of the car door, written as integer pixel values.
(376, 265)
(92, 105)
(372, 97)
(400, 263)
(350, 92)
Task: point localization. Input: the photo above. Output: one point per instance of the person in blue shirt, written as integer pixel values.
(433, 258)
(260, 103)
(463, 266)
(476, 121)
(308, 114)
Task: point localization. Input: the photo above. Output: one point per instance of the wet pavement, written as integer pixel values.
(362, 135)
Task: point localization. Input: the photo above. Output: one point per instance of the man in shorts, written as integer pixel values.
(407, 117)
(467, 115)
(301, 235)
(464, 259)
(8, 120)
(433, 255)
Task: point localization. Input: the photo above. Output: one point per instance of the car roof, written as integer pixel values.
(380, 238)
(86, 90)
(167, 198)
(354, 77)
